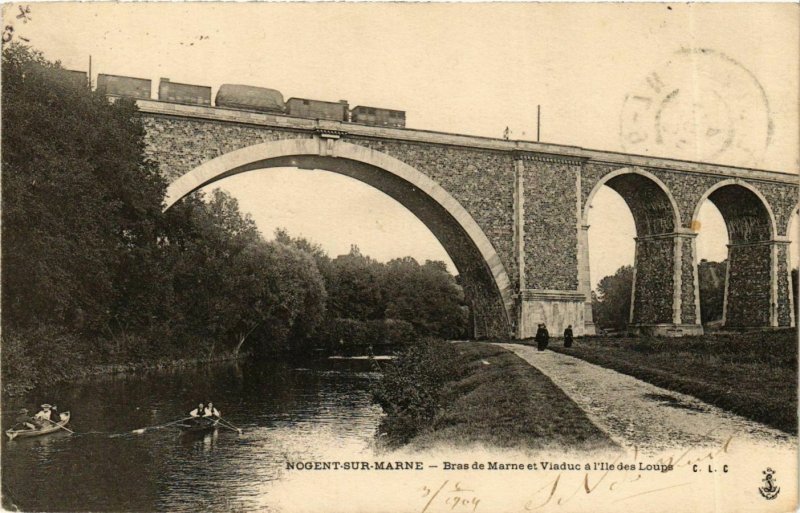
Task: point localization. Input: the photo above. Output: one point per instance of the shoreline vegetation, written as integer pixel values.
(17, 388)
(438, 393)
(345, 337)
(751, 374)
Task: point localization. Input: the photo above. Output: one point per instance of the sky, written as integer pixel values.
(470, 69)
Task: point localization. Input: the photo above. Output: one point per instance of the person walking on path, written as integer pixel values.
(542, 337)
(568, 336)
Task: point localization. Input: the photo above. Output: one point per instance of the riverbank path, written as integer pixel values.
(641, 415)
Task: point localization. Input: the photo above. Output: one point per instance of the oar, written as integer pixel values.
(59, 425)
(230, 426)
(142, 430)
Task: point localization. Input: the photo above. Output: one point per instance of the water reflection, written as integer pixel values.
(288, 410)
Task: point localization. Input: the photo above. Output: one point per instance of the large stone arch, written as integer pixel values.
(757, 278)
(483, 275)
(664, 296)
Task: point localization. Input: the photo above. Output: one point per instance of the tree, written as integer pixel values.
(204, 243)
(611, 305)
(426, 296)
(355, 287)
(313, 249)
(231, 288)
(79, 199)
(711, 278)
(280, 297)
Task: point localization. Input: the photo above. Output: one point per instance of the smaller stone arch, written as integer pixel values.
(676, 218)
(739, 183)
(663, 295)
(756, 277)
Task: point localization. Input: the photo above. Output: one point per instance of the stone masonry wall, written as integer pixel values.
(481, 180)
(651, 209)
(591, 173)
(783, 200)
(653, 295)
(487, 313)
(688, 188)
(749, 285)
(551, 226)
(180, 145)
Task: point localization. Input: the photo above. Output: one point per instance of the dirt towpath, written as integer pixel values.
(637, 414)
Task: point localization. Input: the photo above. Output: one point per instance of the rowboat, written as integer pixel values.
(198, 425)
(25, 433)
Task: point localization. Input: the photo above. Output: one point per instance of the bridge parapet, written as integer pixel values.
(542, 150)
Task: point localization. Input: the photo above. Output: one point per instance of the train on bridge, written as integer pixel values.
(247, 98)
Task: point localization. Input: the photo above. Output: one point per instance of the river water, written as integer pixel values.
(287, 410)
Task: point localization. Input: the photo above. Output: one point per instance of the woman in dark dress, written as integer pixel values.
(542, 338)
(568, 336)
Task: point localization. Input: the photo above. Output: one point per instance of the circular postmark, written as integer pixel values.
(700, 105)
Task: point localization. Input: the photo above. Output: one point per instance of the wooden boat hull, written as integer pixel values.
(201, 425)
(27, 433)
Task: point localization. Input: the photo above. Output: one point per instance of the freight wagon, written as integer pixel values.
(378, 117)
(183, 93)
(74, 78)
(115, 85)
(246, 97)
(316, 109)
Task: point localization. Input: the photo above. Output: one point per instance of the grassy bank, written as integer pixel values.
(439, 393)
(752, 374)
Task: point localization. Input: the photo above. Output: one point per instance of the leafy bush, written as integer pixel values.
(412, 386)
(43, 354)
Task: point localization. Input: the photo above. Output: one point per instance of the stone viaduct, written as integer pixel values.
(512, 215)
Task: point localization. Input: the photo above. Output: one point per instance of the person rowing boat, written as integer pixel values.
(37, 427)
(202, 418)
(197, 412)
(23, 420)
(210, 411)
(44, 417)
(214, 414)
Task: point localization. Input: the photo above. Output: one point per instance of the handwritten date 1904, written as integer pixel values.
(449, 497)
